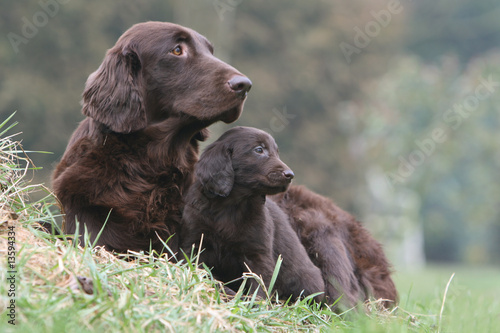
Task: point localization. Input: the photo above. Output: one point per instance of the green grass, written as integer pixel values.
(150, 294)
(472, 302)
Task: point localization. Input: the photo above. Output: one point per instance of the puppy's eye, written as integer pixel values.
(259, 150)
(177, 50)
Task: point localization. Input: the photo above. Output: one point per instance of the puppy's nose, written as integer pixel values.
(240, 84)
(288, 174)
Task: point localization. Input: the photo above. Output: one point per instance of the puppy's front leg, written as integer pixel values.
(263, 266)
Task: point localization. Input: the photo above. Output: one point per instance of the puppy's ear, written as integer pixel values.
(113, 95)
(215, 171)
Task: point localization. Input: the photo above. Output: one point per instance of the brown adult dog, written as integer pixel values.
(227, 205)
(147, 106)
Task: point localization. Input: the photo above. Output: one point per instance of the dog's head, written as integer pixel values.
(159, 70)
(246, 158)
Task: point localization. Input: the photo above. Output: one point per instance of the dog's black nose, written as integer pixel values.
(288, 174)
(240, 84)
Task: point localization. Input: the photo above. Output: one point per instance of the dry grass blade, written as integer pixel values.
(440, 319)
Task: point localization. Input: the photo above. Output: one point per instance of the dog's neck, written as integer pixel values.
(166, 140)
(173, 142)
(239, 199)
(176, 140)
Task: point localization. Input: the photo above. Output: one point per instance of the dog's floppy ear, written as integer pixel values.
(112, 94)
(215, 170)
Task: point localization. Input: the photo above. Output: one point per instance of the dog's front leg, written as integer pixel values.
(262, 266)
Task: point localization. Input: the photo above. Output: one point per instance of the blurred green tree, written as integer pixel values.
(432, 132)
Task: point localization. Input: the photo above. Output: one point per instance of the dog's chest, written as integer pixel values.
(155, 191)
(241, 225)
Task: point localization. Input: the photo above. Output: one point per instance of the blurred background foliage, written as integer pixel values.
(353, 92)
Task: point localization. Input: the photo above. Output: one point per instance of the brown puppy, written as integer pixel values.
(131, 159)
(227, 204)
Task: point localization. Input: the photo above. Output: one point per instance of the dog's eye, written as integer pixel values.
(177, 50)
(259, 150)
